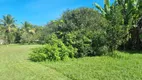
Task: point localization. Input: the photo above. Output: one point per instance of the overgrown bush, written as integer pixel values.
(53, 51)
(37, 57)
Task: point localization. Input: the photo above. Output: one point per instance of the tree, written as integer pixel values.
(9, 23)
(27, 27)
(2, 35)
(131, 11)
(128, 13)
(78, 29)
(30, 33)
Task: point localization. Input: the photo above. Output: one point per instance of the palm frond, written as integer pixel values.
(107, 6)
(107, 3)
(100, 8)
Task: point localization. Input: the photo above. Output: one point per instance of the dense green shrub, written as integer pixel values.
(88, 43)
(38, 57)
(53, 51)
(84, 29)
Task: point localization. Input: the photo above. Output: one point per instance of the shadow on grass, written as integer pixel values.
(131, 51)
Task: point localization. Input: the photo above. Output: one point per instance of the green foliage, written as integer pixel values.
(9, 23)
(130, 12)
(11, 33)
(121, 16)
(89, 32)
(120, 55)
(30, 33)
(28, 38)
(38, 57)
(103, 50)
(54, 51)
(80, 31)
(117, 32)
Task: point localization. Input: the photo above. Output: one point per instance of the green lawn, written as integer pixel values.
(14, 65)
(128, 67)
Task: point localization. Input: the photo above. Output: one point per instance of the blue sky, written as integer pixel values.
(40, 12)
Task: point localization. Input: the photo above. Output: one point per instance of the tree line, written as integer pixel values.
(82, 32)
(25, 34)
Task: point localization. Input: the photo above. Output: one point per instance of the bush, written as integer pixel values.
(102, 50)
(53, 51)
(120, 55)
(37, 57)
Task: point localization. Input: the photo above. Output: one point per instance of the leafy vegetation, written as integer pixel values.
(96, 33)
(80, 32)
(70, 42)
(11, 33)
(119, 24)
(54, 51)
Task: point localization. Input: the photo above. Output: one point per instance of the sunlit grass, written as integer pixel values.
(14, 65)
(122, 66)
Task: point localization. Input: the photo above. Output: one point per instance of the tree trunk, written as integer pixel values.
(135, 40)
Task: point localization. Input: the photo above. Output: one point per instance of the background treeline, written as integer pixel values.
(82, 31)
(11, 33)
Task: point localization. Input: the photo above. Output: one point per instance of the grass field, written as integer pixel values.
(14, 65)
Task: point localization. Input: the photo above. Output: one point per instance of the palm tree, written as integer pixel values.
(27, 27)
(130, 11)
(9, 22)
